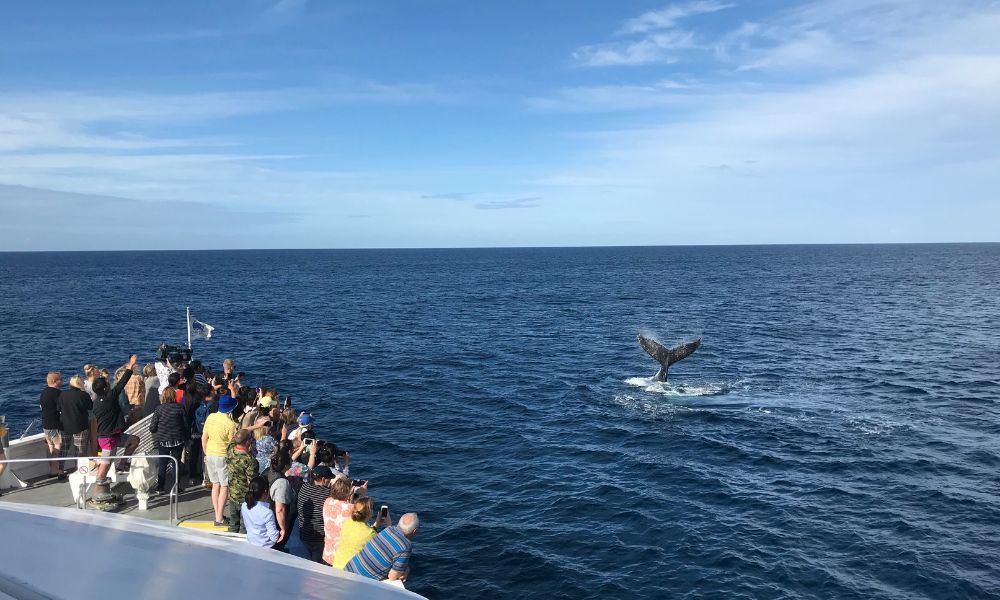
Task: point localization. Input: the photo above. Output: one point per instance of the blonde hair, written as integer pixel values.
(103, 373)
(120, 372)
(149, 370)
(168, 395)
(260, 433)
(228, 363)
(362, 510)
(76, 381)
(52, 377)
(89, 371)
(288, 416)
(341, 489)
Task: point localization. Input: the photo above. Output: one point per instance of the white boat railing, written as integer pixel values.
(28, 428)
(82, 503)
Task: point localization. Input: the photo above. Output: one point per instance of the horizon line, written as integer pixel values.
(396, 248)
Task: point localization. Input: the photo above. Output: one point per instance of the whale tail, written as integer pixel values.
(667, 356)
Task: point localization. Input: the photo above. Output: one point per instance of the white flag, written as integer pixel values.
(201, 330)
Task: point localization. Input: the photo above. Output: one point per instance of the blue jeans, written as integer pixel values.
(165, 464)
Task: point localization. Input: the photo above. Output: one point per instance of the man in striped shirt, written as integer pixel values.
(309, 505)
(387, 556)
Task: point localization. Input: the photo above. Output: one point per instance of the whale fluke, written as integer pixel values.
(667, 356)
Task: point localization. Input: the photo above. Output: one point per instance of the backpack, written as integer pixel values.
(200, 415)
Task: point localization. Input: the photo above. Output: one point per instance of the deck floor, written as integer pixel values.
(193, 504)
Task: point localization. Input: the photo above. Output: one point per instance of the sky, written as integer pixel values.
(142, 124)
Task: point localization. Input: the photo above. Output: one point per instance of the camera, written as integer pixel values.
(175, 354)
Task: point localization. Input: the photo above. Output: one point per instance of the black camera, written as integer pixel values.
(175, 354)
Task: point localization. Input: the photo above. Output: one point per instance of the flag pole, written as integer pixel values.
(189, 326)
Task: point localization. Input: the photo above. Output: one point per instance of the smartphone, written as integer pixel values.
(240, 375)
(288, 401)
(307, 441)
(383, 513)
(359, 482)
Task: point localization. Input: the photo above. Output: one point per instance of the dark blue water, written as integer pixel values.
(836, 436)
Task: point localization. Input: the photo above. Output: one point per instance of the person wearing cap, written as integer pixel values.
(309, 505)
(305, 424)
(218, 431)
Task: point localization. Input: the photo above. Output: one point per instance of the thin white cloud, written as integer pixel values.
(527, 202)
(655, 48)
(656, 36)
(667, 17)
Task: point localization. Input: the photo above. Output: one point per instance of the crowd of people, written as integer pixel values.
(269, 473)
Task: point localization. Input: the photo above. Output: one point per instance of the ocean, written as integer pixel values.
(835, 436)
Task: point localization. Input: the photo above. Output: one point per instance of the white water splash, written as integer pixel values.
(668, 388)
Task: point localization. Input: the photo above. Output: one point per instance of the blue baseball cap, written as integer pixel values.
(306, 419)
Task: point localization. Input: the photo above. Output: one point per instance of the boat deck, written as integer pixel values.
(193, 504)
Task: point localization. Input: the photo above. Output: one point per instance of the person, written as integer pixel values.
(336, 511)
(169, 426)
(387, 555)
(110, 422)
(228, 369)
(257, 516)
(217, 433)
(75, 406)
(282, 494)
(152, 390)
(305, 422)
(163, 370)
(265, 443)
(4, 441)
(312, 494)
(55, 443)
(356, 533)
(199, 372)
(136, 388)
(241, 467)
(91, 373)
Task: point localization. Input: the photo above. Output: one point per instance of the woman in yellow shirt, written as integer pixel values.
(354, 534)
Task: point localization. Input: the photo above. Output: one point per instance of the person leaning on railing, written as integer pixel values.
(387, 555)
(336, 511)
(356, 533)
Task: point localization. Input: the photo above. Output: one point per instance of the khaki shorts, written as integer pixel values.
(218, 472)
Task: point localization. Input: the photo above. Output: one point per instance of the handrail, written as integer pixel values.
(172, 498)
(28, 428)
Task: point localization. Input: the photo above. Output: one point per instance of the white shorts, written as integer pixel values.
(217, 470)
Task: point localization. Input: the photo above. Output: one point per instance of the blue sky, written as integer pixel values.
(295, 123)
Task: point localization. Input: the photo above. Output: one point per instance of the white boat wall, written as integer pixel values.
(65, 553)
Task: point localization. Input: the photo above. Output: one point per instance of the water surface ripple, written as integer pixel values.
(834, 437)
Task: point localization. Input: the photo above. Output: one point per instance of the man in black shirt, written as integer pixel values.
(55, 439)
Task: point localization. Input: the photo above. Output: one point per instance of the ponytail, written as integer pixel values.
(256, 491)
